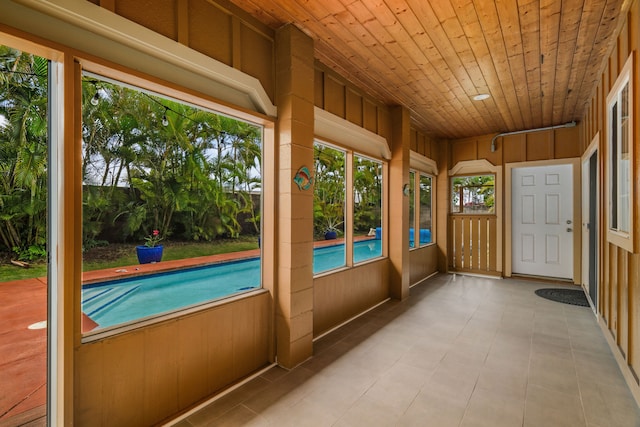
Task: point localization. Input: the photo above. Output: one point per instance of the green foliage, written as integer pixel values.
(192, 179)
(31, 253)
(329, 189)
(23, 151)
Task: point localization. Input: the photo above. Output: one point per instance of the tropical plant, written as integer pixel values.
(23, 152)
(329, 189)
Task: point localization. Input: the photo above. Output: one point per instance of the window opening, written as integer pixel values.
(367, 209)
(171, 204)
(473, 194)
(328, 207)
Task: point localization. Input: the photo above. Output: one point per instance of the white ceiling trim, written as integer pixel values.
(87, 16)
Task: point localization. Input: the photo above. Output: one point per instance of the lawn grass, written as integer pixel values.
(126, 255)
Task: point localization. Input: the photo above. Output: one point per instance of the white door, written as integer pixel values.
(542, 215)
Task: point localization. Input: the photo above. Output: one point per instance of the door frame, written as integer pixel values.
(576, 164)
(593, 149)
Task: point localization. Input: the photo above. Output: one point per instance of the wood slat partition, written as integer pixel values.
(473, 242)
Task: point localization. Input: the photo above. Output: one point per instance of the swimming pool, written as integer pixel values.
(120, 301)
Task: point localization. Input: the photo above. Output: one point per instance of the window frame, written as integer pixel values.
(615, 132)
(423, 166)
(349, 204)
(415, 189)
(182, 94)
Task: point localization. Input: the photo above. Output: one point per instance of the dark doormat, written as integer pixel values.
(565, 296)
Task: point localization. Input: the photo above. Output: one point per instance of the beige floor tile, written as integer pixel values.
(546, 407)
(464, 352)
(433, 409)
(494, 408)
(367, 412)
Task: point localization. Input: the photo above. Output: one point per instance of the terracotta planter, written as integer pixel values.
(147, 255)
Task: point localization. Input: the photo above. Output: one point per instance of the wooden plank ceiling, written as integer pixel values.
(540, 60)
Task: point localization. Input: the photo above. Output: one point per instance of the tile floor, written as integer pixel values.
(461, 351)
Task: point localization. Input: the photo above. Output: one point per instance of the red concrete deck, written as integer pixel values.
(23, 364)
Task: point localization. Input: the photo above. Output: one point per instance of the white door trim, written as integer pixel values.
(577, 210)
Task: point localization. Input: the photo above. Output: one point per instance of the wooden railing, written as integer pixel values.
(473, 244)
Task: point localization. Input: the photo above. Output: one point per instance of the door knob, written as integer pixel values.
(569, 229)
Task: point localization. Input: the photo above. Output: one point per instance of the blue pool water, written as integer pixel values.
(120, 301)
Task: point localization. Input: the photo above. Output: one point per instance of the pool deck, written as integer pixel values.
(24, 303)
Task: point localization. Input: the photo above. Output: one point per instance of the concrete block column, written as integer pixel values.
(294, 139)
(399, 203)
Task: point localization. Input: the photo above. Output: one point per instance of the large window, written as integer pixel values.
(330, 206)
(620, 147)
(473, 194)
(367, 209)
(420, 215)
(170, 191)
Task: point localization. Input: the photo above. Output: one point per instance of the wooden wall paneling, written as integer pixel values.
(514, 148)
(182, 10)
(623, 46)
(634, 314)
(539, 145)
(107, 4)
(257, 52)
(193, 375)
(465, 149)
(484, 150)
(613, 289)
(413, 144)
(210, 31)
(220, 335)
(163, 20)
(318, 84)
(423, 263)
(567, 143)
(370, 116)
(345, 294)
(160, 389)
(353, 107)
(123, 371)
(623, 301)
(89, 383)
(421, 144)
(605, 282)
(334, 96)
(243, 338)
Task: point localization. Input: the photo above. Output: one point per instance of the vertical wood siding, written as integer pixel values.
(618, 280)
(224, 33)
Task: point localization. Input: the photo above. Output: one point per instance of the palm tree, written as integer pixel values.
(23, 151)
